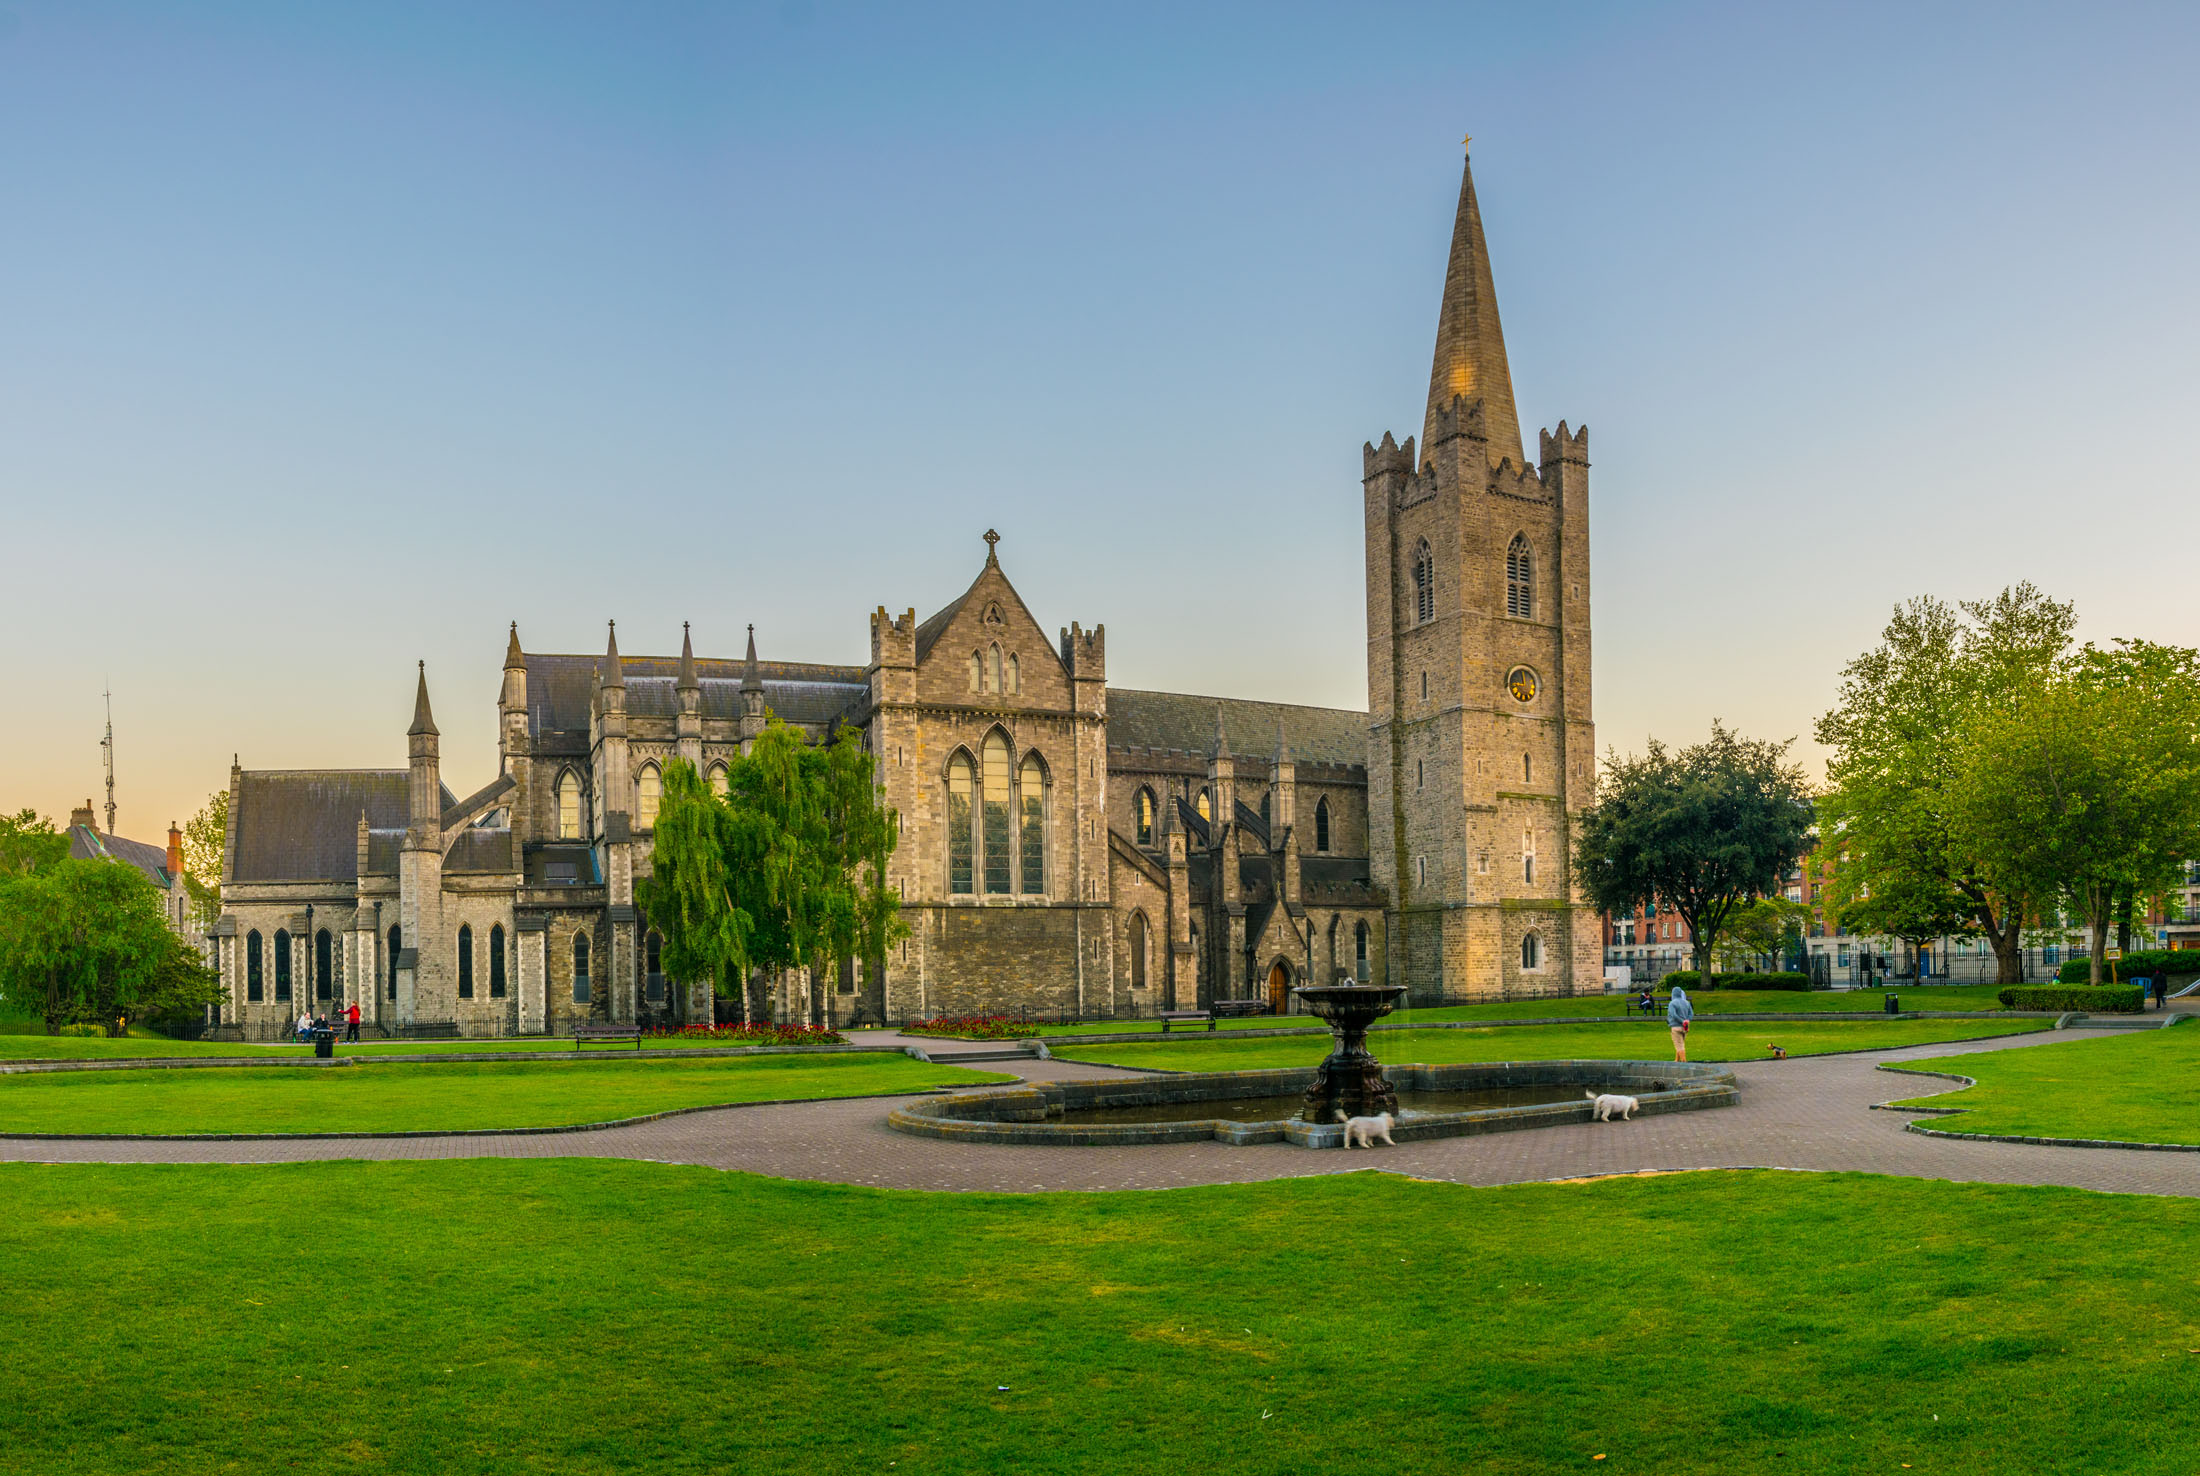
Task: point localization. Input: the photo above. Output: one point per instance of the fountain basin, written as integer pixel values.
(1048, 1113)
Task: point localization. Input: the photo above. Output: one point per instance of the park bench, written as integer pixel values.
(604, 1032)
(1636, 1006)
(1241, 1009)
(1185, 1017)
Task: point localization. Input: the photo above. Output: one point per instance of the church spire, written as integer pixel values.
(687, 659)
(614, 670)
(752, 676)
(1470, 342)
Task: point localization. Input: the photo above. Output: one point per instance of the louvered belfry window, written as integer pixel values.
(1424, 584)
(1520, 579)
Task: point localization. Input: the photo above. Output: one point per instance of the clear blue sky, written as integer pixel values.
(333, 337)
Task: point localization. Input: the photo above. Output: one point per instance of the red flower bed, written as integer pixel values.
(973, 1027)
(758, 1034)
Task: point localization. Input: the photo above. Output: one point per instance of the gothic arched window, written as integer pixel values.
(496, 962)
(996, 800)
(465, 961)
(1531, 952)
(1359, 952)
(580, 968)
(1520, 579)
(1145, 817)
(649, 792)
(397, 936)
(977, 671)
(1206, 808)
(1527, 855)
(1424, 584)
(324, 965)
(1031, 799)
(1015, 673)
(993, 669)
(1138, 950)
(654, 966)
(254, 986)
(569, 806)
(282, 965)
(718, 780)
(1321, 824)
(959, 848)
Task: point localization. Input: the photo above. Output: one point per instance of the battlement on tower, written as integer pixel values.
(893, 642)
(1460, 417)
(1388, 457)
(1564, 445)
(1085, 652)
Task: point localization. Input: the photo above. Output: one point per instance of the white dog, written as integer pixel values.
(1610, 1103)
(1361, 1132)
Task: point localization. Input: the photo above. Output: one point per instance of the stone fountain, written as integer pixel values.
(1351, 1081)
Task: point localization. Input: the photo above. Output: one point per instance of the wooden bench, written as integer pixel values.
(1636, 1006)
(1242, 1009)
(1185, 1017)
(604, 1032)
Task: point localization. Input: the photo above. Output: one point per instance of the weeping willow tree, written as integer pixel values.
(787, 870)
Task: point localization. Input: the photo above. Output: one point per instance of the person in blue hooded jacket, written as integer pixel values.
(1678, 1012)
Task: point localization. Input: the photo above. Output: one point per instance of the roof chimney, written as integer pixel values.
(82, 815)
(175, 850)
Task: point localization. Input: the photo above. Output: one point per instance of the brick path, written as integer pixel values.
(1807, 1113)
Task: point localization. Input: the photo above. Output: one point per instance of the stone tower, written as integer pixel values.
(422, 987)
(1481, 745)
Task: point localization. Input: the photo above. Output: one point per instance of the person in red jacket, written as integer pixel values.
(351, 1022)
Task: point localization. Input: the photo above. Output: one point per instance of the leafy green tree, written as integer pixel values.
(788, 870)
(1902, 739)
(205, 841)
(28, 843)
(83, 941)
(1766, 927)
(1706, 830)
(2091, 790)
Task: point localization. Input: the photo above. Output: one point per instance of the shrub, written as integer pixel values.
(761, 1033)
(973, 1027)
(2122, 998)
(2147, 962)
(83, 1031)
(1686, 978)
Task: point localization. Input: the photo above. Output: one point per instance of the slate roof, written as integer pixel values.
(559, 689)
(479, 850)
(303, 824)
(87, 844)
(1186, 723)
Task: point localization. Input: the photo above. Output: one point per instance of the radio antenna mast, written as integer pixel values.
(107, 750)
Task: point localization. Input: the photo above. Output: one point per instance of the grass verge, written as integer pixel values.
(1710, 1040)
(596, 1316)
(2142, 1087)
(409, 1097)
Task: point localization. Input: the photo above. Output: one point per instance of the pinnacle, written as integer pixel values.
(1222, 741)
(1470, 341)
(614, 670)
(512, 654)
(752, 677)
(423, 720)
(687, 659)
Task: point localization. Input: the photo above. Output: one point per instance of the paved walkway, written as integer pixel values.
(1806, 1113)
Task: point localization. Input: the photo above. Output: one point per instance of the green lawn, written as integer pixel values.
(598, 1316)
(2138, 1088)
(425, 1097)
(74, 1048)
(1710, 1040)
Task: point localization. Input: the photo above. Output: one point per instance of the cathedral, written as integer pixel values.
(1067, 846)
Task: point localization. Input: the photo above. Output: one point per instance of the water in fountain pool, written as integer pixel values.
(1275, 1109)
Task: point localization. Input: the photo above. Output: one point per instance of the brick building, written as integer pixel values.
(1066, 845)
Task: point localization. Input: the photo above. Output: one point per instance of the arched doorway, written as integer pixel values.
(1279, 987)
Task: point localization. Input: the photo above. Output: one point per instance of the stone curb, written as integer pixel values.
(1971, 1081)
(674, 1053)
(1754, 1017)
(525, 1132)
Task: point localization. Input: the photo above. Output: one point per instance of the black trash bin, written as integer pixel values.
(324, 1042)
(1894, 1003)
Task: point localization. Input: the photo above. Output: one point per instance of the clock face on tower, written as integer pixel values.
(1521, 683)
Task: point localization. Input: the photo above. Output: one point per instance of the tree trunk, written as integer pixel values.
(2123, 919)
(2008, 945)
(2097, 908)
(1702, 953)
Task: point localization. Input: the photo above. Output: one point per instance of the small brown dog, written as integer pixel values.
(1779, 1053)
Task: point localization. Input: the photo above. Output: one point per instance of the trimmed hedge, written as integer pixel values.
(1686, 978)
(2148, 961)
(2105, 998)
